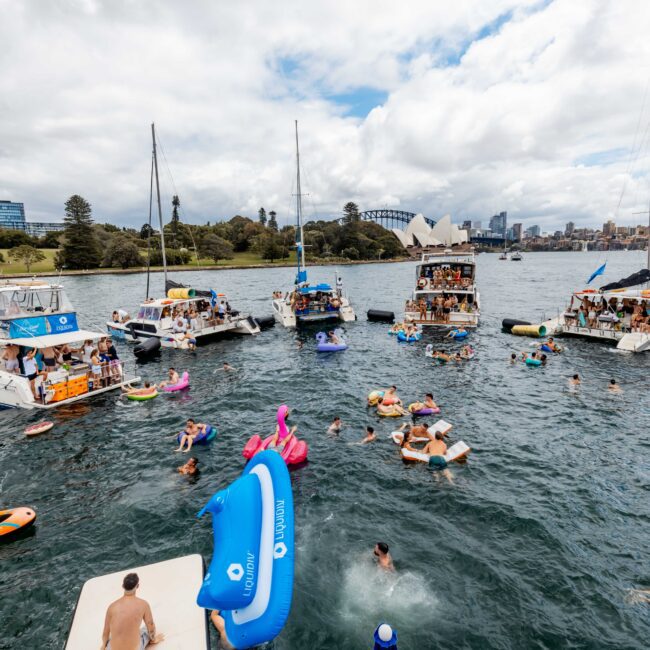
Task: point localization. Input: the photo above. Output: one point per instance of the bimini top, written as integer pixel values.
(318, 287)
(52, 340)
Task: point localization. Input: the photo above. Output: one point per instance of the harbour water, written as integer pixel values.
(534, 545)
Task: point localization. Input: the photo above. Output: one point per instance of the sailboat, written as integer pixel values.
(184, 317)
(308, 303)
(504, 255)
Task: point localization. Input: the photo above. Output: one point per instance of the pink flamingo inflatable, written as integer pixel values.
(292, 451)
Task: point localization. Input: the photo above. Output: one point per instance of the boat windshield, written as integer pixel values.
(24, 301)
(148, 312)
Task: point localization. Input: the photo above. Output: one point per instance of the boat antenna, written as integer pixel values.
(149, 231)
(648, 233)
(300, 240)
(160, 219)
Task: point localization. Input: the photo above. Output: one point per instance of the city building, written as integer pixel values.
(12, 217)
(467, 224)
(477, 225)
(516, 231)
(569, 229)
(609, 229)
(533, 231)
(499, 223)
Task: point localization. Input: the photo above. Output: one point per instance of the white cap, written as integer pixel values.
(385, 632)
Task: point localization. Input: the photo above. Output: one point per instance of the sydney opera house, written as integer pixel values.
(419, 234)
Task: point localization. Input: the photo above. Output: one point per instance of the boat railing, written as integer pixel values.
(429, 284)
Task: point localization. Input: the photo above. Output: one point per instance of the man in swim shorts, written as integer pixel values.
(123, 619)
(10, 357)
(384, 559)
(192, 430)
(436, 450)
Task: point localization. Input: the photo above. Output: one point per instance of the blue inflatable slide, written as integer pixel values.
(250, 579)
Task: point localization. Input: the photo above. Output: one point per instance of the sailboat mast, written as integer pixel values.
(149, 231)
(301, 252)
(160, 219)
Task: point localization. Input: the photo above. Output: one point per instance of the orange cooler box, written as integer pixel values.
(60, 391)
(77, 386)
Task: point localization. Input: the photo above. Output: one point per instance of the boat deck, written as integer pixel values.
(92, 393)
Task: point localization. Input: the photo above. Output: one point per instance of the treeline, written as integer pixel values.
(87, 245)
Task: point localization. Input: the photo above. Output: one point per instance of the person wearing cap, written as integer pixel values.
(123, 619)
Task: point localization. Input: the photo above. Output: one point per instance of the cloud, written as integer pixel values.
(470, 108)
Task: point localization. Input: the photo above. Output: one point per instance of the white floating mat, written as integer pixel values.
(170, 588)
(457, 450)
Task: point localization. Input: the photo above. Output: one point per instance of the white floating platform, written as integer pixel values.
(170, 587)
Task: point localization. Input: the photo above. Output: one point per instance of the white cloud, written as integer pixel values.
(517, 120)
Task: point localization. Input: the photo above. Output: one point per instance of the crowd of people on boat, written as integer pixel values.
(447, 276)
(623, 314)
(318, 301)
(438, 308)
(97, 359)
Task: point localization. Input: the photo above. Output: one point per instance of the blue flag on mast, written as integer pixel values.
(599, 271)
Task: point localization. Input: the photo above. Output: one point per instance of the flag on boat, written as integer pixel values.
(599, 271)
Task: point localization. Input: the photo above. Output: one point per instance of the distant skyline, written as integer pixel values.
(538, 108)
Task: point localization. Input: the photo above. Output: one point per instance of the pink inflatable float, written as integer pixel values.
(181, 385)
(292, 450)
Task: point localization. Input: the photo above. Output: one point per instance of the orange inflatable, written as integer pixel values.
(15, 520)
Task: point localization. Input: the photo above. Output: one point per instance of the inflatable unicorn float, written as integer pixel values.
(292, 450)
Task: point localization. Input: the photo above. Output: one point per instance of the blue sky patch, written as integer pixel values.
(360, 101)
(601, 158)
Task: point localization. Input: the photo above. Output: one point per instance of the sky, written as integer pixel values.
(540, 108)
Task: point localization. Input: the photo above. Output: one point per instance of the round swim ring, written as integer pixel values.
(533, 362)
(424, 411)
(204, 437)
(374, 397)
(455, 334)
(39, 427)
(545, 348)
(389, 415)
(14, 521)
(142, 398)
(408, 339)
(181, 385)
(422, 282)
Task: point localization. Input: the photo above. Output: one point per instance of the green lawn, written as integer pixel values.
(16, 267)
(47, 265)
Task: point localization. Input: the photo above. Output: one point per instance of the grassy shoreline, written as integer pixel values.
(188, 267)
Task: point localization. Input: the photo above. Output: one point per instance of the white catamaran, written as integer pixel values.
(184, 317)
(46, 358)
(308, 303)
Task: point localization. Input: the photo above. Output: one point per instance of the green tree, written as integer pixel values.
(146, 231)
(262, 215)
(351, 253)
(271, 249)
(122, 252)
(10, 238)
(273, 224)
(176, 202)
(351, 212)
(81, 248)
(216, 248)
(2, 258)
(50, 240)
(28, 255)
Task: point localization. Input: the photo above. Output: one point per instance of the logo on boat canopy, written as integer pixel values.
(279, 550)
(235, 572)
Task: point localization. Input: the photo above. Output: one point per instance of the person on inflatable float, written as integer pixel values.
(427, 404)
(147, 390)
(279, 445)
(334, 340)
(172, 379)
(192, 430)
(390, 396)
(390, 410)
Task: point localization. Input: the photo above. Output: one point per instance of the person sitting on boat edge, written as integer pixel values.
(123, 619)
(192, 430)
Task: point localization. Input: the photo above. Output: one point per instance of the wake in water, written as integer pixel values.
(372, 594)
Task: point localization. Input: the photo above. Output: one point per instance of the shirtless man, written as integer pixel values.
(436, 450)
(390, 395)
(370, 436)
(614, 387)
(172, 379)
(334, 340)
(10, 357)
(190, 468)
(575, 380)
(389, 410)
(123, 618)
(49, 359)
(192, 430)
(428, 403)
(384, 559)
(147, 390)
(335, 427)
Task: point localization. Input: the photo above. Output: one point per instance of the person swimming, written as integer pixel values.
(190, 468)
(336, 425)
(371, 436)
(384, 559)
(575, 380)
(613, 387)
(513, 358)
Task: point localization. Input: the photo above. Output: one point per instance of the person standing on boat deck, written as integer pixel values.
(339, 286)
(49, 359)
(123, 618)
(31, 369)
(10, 356)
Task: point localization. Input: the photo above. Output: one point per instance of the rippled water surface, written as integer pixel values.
(534, 545)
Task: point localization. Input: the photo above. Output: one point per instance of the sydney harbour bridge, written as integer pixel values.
(391, 218)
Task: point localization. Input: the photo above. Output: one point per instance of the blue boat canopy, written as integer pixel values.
(318, 287)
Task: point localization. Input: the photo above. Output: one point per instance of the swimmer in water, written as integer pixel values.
(370, 436)
(227, 367)
(575, 380)
(336, 425)
(614, 387)
(384, 559)
(638, 596)
(190, 468)
(513, 358)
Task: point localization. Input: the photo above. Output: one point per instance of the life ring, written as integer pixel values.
(166, 302)
(422, 282)
(533, 362)
(15, 520)
(424, 411)
(202, 438)
(374, 397)
(645, 293)
(142, 398)
(389, 415)
(39, 427)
